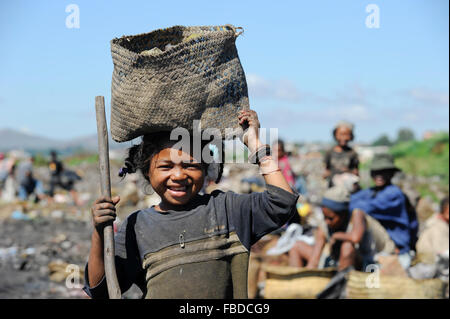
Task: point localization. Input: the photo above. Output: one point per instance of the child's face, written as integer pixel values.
(343, 135)
(332, 219)
(175, 176)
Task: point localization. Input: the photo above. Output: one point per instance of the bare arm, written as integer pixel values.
(358, 229)
(320, 241)
(269, 167)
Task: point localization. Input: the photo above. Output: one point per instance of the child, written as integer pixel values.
(341, 158)
(387, 204)
(190, 245)
(283, 162)
(352, 237)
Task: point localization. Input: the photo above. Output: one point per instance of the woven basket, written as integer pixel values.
(284, 282)
(155, 88)
(393, 287)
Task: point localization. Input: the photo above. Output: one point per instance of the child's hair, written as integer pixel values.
(280, 144)
(140, 155)
(444, 204)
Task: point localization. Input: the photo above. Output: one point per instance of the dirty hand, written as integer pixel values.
(103, 211)
(251, 135)
(333, 240)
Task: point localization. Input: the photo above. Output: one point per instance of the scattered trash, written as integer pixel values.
(7, 253)
(57, 214)
(19, 215)
(293, 234)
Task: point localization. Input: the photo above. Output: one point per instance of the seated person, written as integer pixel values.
(28, 184)
(434, 238)
(346, 238)
(388, 205)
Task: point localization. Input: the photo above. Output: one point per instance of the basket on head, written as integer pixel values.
(170, 77)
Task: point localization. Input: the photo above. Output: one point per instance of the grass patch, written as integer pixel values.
(78, 159)
(424, 158)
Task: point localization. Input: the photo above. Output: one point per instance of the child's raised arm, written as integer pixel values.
(269, 167)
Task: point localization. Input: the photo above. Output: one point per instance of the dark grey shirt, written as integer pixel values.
(208, 219)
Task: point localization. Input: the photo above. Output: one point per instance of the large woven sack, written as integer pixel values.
(361, 285)
(170, 77)
(285, 282)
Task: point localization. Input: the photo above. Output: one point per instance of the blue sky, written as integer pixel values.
(308, 64)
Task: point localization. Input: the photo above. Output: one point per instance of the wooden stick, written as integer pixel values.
(105, 184)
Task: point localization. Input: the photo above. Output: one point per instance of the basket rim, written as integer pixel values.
(115, 41)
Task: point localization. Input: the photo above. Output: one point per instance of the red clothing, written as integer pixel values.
(286, 169)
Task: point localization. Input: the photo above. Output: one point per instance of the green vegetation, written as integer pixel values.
(79, 158)
(424, 158)
(40, 160)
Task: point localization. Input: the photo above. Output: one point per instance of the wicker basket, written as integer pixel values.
(392, 287)
(170, 77)
(284, 282)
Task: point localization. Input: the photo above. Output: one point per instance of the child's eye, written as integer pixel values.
(165, 166)
(193, 166)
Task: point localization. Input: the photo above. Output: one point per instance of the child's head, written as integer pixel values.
(444, 209)
(174, 173)
(53, 155)
(278, 148)
(335, 206)
(343, 133)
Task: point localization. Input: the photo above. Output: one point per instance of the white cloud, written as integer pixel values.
(283, 90)
(429, 97)
(351, 113)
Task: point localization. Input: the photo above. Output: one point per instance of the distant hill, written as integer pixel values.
(15, 140)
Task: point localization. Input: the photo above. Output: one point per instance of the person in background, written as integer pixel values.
(5, 169)
(346, 237)
(56, 168)
(10, 186)
(390, 206)
(341, 158)
(28, 184)
(434, 238)
(283, 162)
(63, 178)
